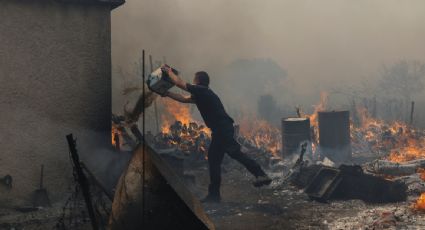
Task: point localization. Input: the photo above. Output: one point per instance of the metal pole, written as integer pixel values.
(155, 106)
(143, 139)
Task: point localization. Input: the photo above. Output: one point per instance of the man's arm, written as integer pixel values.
(176, 79)
(179, 97)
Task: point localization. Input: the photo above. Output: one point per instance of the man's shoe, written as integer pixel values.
(262, 180)
(211, 199)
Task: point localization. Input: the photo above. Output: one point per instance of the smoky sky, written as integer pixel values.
(318, 44)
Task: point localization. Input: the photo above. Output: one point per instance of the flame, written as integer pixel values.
(402, 142)
(179, 129)
(261, 133)
(165, 126)
(420, 203)
(178, 111)
(115, 131)
(314, 123)
(318, 108)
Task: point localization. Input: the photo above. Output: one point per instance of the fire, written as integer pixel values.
(115, 132)
(165, 127)
(402, 142)
(314, 122)
(187, 138)
(261, 133)
(178, 111)
(420, 203)
(318, 108)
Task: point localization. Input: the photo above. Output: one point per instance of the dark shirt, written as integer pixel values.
(210, 107)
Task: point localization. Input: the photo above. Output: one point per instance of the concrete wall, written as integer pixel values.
(55, 78)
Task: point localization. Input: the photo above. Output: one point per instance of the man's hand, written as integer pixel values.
(174, 78)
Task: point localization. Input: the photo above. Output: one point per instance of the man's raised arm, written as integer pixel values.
(179, 97)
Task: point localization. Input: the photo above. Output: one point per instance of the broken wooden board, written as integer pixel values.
(166, 202)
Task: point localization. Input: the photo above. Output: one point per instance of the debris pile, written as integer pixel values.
(259, 135)
(193, 139)
(396, 140)
(190, 138)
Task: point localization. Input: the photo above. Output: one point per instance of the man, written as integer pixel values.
(221, 125)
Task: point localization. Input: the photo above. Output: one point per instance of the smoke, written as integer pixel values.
(318, 45)
(104, 163)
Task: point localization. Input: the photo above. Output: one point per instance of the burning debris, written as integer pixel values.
(258, 134)
(395, 150)
(398, 140)
(190, 139)
(183, 133)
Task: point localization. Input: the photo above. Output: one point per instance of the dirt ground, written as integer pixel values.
(282, 206)
(278, 206)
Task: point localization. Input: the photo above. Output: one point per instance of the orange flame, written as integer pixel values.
(314, 123)
(115, 131)
(318, 108)
(401, 140)
(261, 133)
(178, 111)
(420, 203)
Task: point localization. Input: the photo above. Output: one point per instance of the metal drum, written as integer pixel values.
(294, 132)
(334, 135)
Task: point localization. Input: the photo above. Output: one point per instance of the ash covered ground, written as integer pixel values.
(283, 206)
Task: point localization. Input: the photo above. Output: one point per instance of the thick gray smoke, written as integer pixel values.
(311, 46)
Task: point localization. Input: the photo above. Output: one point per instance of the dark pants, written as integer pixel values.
(223, 142)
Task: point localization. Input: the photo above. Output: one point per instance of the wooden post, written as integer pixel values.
(412, 110)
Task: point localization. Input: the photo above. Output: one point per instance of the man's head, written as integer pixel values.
(201, 78)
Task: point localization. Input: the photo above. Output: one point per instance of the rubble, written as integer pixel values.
(386, 217)
(388, 155)
(192, 141)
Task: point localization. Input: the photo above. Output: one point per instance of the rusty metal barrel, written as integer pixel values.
(334, 135)
(294, 132)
